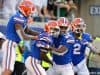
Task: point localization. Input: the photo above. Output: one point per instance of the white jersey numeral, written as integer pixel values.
(77, 48)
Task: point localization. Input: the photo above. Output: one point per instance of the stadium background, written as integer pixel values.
(90, 12)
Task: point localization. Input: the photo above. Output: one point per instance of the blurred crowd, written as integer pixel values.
(45, 9)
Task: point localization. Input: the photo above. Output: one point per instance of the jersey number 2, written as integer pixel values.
(77, 48)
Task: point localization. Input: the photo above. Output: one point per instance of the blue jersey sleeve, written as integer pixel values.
(18, 20)
(44, 36)
(43, 46)
(69, 39)
(40, 44)
(88, 37)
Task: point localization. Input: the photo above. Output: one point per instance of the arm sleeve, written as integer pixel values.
(18, 20)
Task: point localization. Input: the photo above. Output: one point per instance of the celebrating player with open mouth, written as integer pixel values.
(82, 41)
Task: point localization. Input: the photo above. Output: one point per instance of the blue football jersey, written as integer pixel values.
(79, 48)
(44, 36)
(43, 41)
(18, 18)
(35, 49)
(66, 57)
(87, 37)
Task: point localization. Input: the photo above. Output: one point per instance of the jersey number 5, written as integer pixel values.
(77, 48)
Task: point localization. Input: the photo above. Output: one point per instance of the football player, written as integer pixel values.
(64, 25)
(16, 31)
(60, 51)
(81, 42)
(87, 36)
(39, 48)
